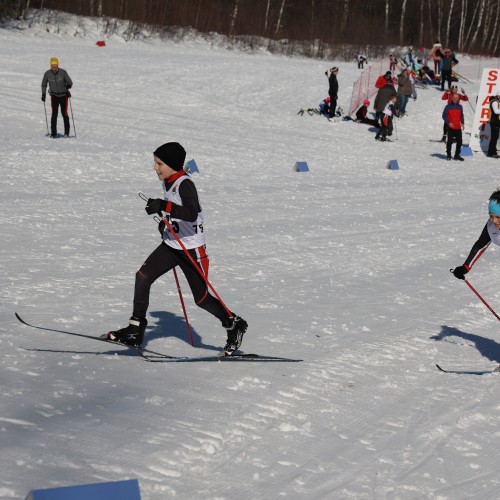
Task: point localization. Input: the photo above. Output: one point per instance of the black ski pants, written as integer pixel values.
(59, 102)
(162, 260)
(457, 135)
(494, 133)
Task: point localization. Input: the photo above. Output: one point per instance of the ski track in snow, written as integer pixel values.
(346, 267)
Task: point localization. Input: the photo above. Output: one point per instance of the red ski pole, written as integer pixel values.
(482, 300)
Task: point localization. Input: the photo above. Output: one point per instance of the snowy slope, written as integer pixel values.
(346, 266)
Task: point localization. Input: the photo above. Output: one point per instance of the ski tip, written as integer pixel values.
(20, 319)
(439, 368)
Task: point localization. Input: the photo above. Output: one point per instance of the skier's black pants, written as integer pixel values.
(57, 102)
(494, 133)
(446, 77)
(333, 106)
(162, 260)
(457, 134)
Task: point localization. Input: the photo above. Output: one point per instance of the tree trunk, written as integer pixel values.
(267, 15)
(233, 17)
(421, 31)
(450, 14)
(25, 8)
(461, 29)
(479, 24)
(386, 20)
(402, 23)
(278, 24)
(492, 46)
(344, 16)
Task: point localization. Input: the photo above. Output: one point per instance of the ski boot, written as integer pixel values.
(236, 328)
(133, 334)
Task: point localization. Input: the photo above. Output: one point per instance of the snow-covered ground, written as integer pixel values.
(346, 266)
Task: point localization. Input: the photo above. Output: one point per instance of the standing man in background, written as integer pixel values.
(333, 89)
(494, 123)
(59, 84)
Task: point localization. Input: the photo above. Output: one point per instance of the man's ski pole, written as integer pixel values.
(482, 300)
(46, 121)
(72, 118)
(200, 272)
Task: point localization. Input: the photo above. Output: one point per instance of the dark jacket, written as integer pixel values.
(333, 83)
(383, 96)
(361, 113)
(59, 82)
(447, 63)
(494, 118)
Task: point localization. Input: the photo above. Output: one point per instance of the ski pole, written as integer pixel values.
(72, 118)
(46, 121)
(183, 307)
(482, 300)
(200, 272)
(479, 296)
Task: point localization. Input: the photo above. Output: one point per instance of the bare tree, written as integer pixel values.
(267, 15)
(402, 23)
(278, 24)
(450, 15)
(461, 29)
(479, 7)
(386, 18)
(233, 17)
(345, 14)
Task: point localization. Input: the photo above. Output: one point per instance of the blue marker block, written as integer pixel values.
(120, 490)
(466, 151)
(191, 167)
(301, 166)
(393, 165)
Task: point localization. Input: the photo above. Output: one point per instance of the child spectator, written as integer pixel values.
(386, 123)
(362, 112)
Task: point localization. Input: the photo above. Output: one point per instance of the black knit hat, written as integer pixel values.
(172, 154)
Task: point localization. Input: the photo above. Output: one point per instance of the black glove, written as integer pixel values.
(460, 272)
(155, 206)
(68, 86)
(43, 98)
(161, 227)
(68, 93)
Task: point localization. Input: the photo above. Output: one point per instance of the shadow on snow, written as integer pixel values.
(486, 347)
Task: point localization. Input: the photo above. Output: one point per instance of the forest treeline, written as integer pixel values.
(470, 26)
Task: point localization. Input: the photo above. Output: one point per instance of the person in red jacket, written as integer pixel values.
(448, 96)
(453, 116)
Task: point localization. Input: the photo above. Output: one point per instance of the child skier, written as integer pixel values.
(362, 112)
(453, 116)
(182, 206)
(386, 122)
(490, 233)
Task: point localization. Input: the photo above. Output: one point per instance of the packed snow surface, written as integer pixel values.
(345, 266)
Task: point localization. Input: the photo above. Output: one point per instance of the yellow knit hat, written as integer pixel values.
(54, 60)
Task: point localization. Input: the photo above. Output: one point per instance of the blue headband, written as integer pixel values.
(494, 207)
